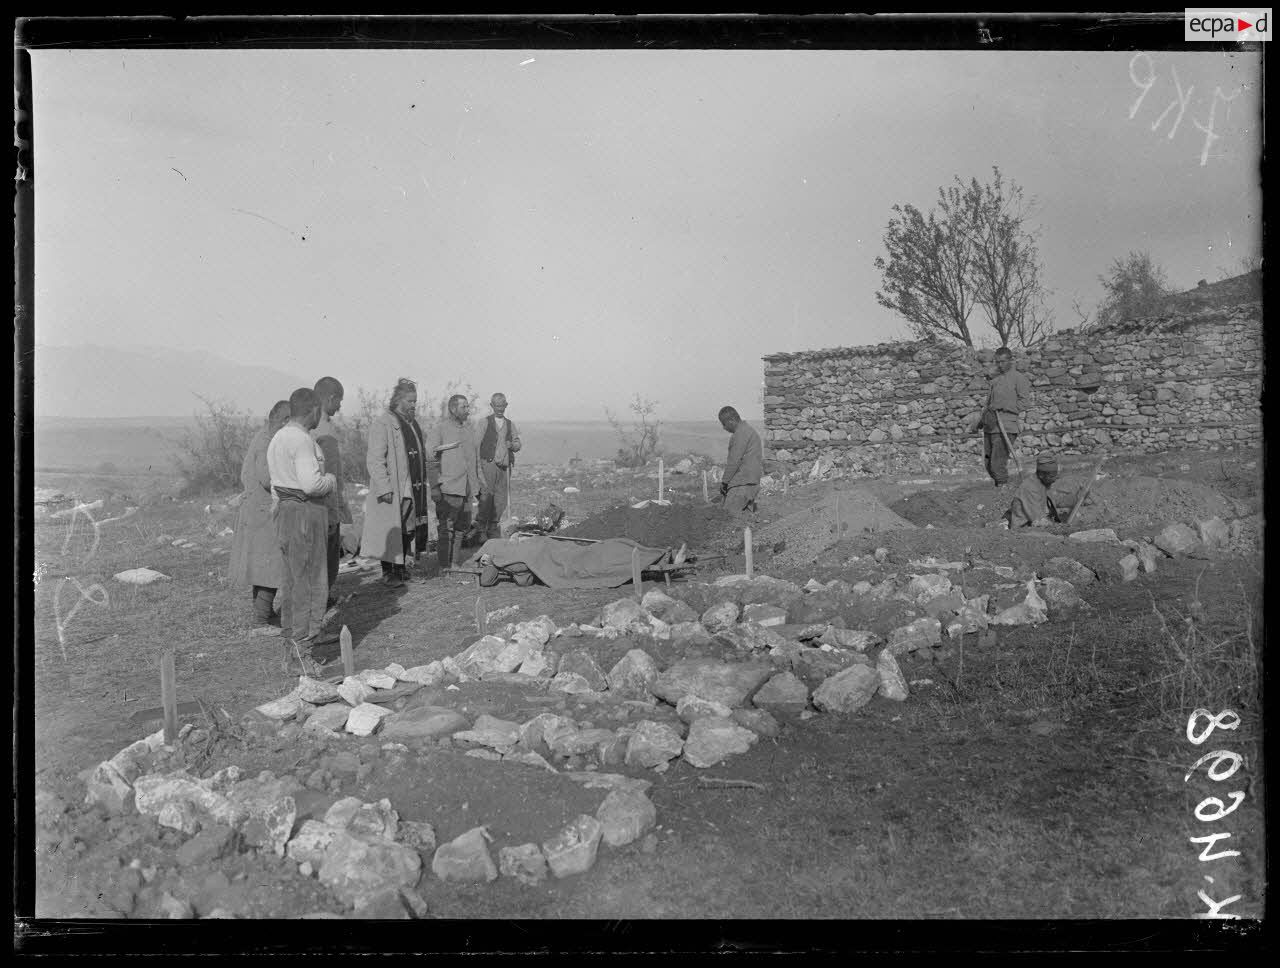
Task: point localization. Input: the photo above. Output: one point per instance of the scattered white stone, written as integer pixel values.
(921, 633)
(487, 730)
(513, 656)
(691, 707)
(1030, 611)
(569, 682)
(328, 719)
(354, 691)
(625, 613)
(633, 675)
(765, 615)
(358, 870)
(923, 588)
(625, 816)
(848, 690)
(720, 617)
(286, 707)
(376, 678)
(784, 695)
(573, 850)
(479, 655)
(140, 576)
(653, 743)
(1128, 567)
(1094, 534)
(316, 691)
(310, 842)
(525, 863)
(1176, 539)
(396, 671)
(465, 858)
(857, 639)
(365, 719)
(1214, 532)
(713, 738)
(427, 675)
(893, 685)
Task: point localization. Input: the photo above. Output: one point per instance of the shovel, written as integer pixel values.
(1013, 454)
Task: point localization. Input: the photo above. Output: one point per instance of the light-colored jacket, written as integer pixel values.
(1010, 395)
(256, 558)
(457, 469)
(388, 465)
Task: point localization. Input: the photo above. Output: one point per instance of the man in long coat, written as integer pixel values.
(255, 552)
(744, 464)
(395, 511)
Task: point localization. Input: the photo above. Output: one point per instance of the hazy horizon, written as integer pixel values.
(574, 227)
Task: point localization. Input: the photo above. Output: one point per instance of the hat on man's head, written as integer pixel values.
(1047, 461)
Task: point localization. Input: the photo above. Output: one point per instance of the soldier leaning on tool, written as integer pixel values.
(1009, 397)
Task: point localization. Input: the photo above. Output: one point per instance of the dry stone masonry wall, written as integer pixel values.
(1189, 378)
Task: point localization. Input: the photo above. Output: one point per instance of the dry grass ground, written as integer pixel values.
(1041, 775)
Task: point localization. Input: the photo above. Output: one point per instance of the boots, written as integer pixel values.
(263, 598)
(444, 548)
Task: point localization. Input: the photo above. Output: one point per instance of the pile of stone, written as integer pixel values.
(781, 662)
(1177, 540)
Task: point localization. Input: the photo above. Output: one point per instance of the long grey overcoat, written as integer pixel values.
(255, 552)
(388, 465)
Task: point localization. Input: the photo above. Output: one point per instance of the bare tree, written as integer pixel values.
(973, 250)
(1006, 267)
(1134, 287)
(644, 440)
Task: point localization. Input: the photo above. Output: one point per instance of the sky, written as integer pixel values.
(578, 227)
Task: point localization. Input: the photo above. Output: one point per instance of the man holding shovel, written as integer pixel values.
(1007, 399)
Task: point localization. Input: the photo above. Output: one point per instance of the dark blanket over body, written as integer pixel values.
(569, 564)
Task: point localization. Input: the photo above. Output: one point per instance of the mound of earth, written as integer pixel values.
(1134, 502)
(659, 526)
(958, 507)
(808, 532)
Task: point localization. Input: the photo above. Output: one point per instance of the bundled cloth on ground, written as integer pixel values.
(569, 564)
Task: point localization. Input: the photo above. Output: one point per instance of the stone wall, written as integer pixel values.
(1189, 378)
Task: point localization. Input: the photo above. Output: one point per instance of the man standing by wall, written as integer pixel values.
(329, 392)
(1009, 397)
(453, 467)
(499, 442)
(301, 485)
(744, 466)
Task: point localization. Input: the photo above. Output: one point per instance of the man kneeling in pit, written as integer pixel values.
(1033, 504)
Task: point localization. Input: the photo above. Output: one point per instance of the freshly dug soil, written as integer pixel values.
(1114, 502)
(700, 526)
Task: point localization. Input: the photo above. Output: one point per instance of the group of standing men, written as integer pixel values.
(288, 536)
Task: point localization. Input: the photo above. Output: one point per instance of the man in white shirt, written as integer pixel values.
(300, 484)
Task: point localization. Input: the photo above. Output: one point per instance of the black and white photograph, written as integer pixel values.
(608, 469)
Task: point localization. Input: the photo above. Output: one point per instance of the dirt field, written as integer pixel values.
(1033, 772)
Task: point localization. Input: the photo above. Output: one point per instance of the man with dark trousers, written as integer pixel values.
(329, 392)
(453, 468)
(1008, 398)
(499, 441)
(300, 485)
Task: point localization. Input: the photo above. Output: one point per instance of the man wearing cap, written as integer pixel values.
(1033, 505)
(744, 465)
(453, 468)
(499, 442)
(1008, 397)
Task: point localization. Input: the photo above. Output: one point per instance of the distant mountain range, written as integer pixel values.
(132, 381)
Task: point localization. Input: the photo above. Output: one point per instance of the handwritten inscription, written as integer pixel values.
(1142, 71)
(1222, 765)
